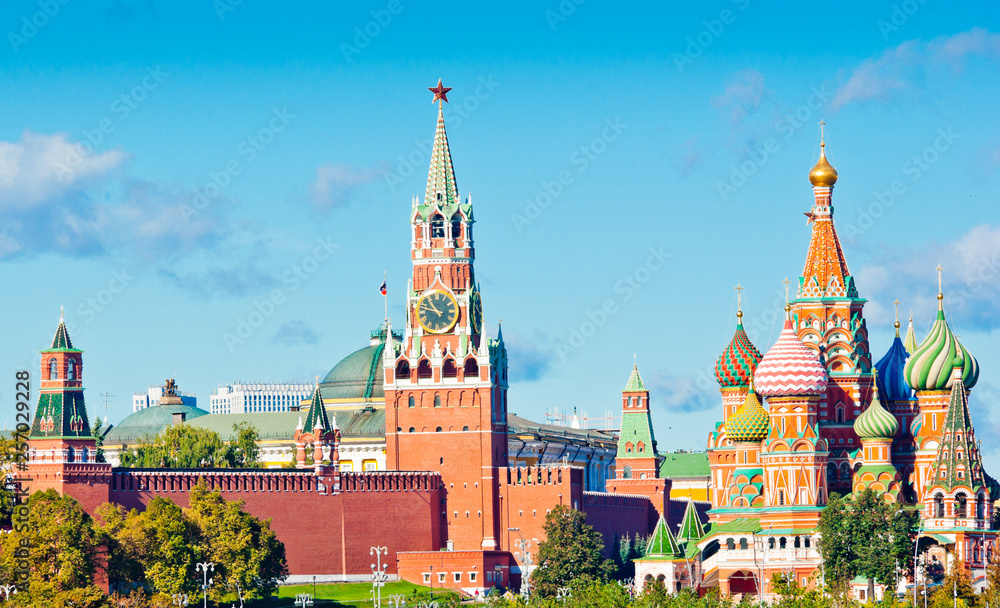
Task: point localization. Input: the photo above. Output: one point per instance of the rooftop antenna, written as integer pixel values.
(105, 397)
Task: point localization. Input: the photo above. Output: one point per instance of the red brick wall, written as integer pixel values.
(619, 514)
(528, 493)
(412, 567)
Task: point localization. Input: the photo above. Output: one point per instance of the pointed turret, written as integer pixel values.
(61, 340)
(661, 542)
(442, 189)
(959, 463)
(911, 338)
(739, 360)
(317, 418)
(691, 529)
(61, 411)
(636, 440)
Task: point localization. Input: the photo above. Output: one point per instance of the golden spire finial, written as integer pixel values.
(62, 313)
(896, 324)
(788, 307)
(823, 173)
(739, 300)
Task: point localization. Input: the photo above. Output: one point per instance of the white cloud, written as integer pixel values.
(898, 69)
(336, 183)
(39, 168)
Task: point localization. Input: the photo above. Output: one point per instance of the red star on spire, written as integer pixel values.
(440, 92)
(810, 216)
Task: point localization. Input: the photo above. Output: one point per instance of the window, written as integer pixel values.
(70, 455)
(471, 368)
(70, 371)
(960, 510)
(413, 429)
(640, 447)
(798, 543)
(438, 430)
(628, 447)
(840, 415)
(743, 543)
(465, 428)
(980, 507)
(53, 369)
(938, 505)
(403, 370)
(458, 577)
(781, 501)
(730, 544)
(472, 577)
(441, 576)
(437, 400)
(782, 542)
(437, 228)
(627, 472)
(411, 401)
(449, 370)
(770, 543)
(424, 369)
(427, 577)
(370, 465)
(456, 229)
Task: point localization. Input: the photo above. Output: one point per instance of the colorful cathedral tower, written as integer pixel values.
(446, 384)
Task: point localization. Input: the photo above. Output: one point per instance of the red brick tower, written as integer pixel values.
(446, 384)
(61, 450)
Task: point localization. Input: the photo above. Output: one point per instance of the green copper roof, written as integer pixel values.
(680, 465)
(691, 529)
(910, 343)
(876, 422)
(358, 376)
(150, 422)
(636, 427)
(750, 422)
(634, 382)
(61, 341)
(61, 414)
(317, 414)
(661, 542)
(929, 367)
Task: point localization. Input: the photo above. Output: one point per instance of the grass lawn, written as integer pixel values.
(346, 594)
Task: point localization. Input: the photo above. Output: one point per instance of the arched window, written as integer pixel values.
(413, 429)
(627, 472)
(411, 402)
(403, 370)
(640, 447)
(86, 455)
(960, 502)
(437, 400)
(730, 544)
(770, 543)
(465, 428)
(938, 505)
(438, 430)
(840, 414)
(743, 543)
(782, 542)
(53, 369)
(424, 369)
(798, 543)
(980, 507)
(449, 370)
(437, 225)
(628, 447)
(808, 543)
(70, 455)
(456, 229)
(70, 370)
(471, 368)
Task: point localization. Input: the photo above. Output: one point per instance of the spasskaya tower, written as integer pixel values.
(446, 383)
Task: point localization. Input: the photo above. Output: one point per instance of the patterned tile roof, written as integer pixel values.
(929, 367)
(442, 189)
(661, 542)
(958, 450)
(681, 465)
(317, 414)
(738, 361)
(750, 422)
(790, 368)
(634, 381)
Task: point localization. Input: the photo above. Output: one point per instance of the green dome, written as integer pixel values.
(876, 422)
(929, 367)
(149, 422)
(750, 423)
(358, 376)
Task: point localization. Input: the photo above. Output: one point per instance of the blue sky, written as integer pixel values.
(165, 169)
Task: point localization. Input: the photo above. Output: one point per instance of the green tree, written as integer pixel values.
(180, 446)
(60, 548)
(572, 550)
(991, 595)
(959, 582)
(862, 535)
(244, 451)
(249, 559)
(98, 441)
(8, 466)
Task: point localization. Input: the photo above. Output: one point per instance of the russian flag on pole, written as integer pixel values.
(382, 289)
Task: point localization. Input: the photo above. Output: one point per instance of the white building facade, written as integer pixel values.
(245, 398)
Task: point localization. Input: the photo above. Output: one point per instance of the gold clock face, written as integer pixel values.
(437, 311)
(476, 312)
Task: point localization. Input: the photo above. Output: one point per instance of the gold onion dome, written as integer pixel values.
(750, 423)
(876, 422)
(823, 173)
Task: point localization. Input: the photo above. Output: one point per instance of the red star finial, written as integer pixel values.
(440, 92)
(810, 216)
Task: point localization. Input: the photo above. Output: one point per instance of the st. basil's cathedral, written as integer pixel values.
(455, 508)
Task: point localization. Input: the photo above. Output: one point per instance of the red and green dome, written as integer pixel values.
(750, 423)
(737, 363)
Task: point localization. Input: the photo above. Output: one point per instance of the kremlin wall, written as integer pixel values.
(462, 480)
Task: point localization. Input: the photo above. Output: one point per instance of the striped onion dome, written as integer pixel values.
(929, 367)
(891, 381)
(876, 422)
(737, 363)
(916, 425)
(750, 422)
(790, 368)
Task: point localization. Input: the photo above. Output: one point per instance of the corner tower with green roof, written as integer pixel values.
(61, 449)
(637, 464)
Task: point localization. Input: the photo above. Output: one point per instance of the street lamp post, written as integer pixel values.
(180, 599)
(397, 600)
(205, 568)
(8, 590)
(379, 576)
(303, 599)
(524, 544)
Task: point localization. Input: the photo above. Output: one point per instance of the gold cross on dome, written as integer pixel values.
(822, 131)
(739, 296)
(939, 269)
(896, 304)
(787, 283)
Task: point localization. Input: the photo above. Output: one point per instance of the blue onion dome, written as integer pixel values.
(890, 379)
(750, 422)
(876, 422)
(929, 367)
